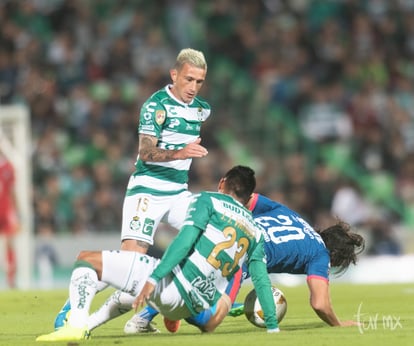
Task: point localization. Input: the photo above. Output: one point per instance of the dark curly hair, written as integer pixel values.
(344, 246)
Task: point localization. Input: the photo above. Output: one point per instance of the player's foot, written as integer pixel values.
(137, 325)
(237, 309)
(172, 326)
(63, 315)
(66, 333)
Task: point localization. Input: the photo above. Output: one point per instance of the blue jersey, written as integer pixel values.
(291, 244)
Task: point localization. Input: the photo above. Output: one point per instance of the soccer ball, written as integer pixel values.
(253, 310)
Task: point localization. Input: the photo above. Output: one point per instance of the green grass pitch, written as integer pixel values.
(386, 313)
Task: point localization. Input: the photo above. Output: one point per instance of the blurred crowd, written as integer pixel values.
(317, 96)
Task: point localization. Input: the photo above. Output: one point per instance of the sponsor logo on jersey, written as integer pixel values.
(147, 127)
(148, 228)
(196, 302)
(172, 110)
(160, 116)
(174, 123)
(205, 287)
(149, 109)
(82, 283)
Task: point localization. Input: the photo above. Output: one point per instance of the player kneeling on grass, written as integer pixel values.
(218, 236)
(292, 246)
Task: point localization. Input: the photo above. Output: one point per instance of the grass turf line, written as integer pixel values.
(385, 311)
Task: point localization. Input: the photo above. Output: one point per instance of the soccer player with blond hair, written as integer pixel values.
(169, 138)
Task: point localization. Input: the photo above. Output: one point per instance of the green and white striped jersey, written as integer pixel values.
(175, 124)
(217, 237)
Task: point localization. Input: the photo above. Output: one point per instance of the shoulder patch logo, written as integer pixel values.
(160, 116)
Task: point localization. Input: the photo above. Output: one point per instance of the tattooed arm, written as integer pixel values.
(148, 150)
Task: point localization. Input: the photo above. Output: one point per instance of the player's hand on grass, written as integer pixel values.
(145, 293)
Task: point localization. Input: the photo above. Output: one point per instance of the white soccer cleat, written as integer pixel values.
(137, 325)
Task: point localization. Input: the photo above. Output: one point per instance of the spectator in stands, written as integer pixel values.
(53, 58)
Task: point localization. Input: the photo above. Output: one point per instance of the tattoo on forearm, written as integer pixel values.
(149, 152)
(157, 155)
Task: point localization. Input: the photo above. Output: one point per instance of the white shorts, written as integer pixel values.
(142, 213)
(168, 301)
(129, 270)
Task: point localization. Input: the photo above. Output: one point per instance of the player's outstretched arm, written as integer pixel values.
(320, 301)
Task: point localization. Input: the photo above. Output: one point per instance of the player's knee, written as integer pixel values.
(92, 259)
(209, 327)
(202, 319)
(85, 256)
(318, 305)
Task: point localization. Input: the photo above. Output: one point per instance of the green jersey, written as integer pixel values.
(175, 124)
(218, 236)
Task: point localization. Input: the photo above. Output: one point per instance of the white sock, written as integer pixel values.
(82, 290)
(116, 305)
(101, 286)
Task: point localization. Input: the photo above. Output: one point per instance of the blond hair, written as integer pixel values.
(192, 57)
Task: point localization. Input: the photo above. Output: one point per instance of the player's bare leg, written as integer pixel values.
(223, 307)
(208, 320)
